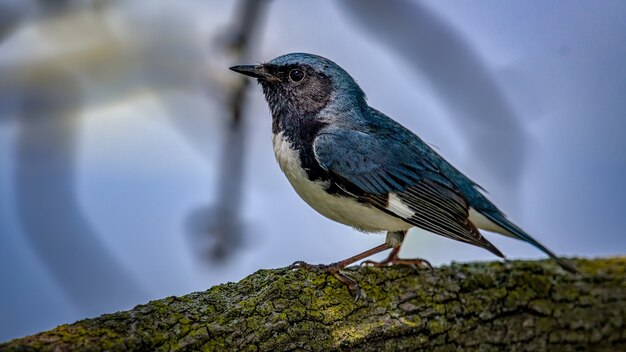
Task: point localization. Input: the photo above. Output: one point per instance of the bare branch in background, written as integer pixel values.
(9, 20)
(52, 92)
(92, 65)
(223, 219)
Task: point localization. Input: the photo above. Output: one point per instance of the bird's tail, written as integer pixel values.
(518, 233)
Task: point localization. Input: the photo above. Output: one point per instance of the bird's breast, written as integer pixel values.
(345, 210)
(287, 157)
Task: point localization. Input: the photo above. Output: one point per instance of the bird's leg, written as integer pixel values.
(394, 240)
(335, 268)
(393, 256)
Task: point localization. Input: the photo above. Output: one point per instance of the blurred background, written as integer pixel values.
(134, 165)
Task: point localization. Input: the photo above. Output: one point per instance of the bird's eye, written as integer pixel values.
(296, 75)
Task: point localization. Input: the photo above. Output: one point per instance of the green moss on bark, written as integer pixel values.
(521, 305)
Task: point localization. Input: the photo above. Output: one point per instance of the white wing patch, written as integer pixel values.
(398, 207)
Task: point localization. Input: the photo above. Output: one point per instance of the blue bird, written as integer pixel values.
(355, 165)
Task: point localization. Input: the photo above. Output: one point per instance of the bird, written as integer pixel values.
(357, 166)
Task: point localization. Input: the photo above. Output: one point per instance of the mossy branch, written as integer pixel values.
(519, 305)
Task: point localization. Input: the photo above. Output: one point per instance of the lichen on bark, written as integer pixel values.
(518, 305)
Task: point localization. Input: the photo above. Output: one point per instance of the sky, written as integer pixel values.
(113, 121)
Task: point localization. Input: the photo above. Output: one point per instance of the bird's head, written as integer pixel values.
(302, 84)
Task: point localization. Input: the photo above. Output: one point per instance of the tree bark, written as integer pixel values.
(512, 306)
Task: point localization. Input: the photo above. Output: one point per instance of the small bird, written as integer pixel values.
(355, 165)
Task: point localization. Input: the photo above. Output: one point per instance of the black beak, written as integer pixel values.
(256, 71)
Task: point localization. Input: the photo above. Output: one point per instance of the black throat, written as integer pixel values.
(295, 114)
(301, 136)
(301, 131)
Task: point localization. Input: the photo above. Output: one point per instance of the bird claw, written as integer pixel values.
(351, 283)
(335, 270)
(376, 264)
(320, 268)
(298, 265)
(416, 263)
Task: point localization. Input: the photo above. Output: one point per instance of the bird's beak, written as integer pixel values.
(256, 71)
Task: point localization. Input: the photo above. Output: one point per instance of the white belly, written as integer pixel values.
(341, 209)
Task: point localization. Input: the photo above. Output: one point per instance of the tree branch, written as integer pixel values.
(519, 305)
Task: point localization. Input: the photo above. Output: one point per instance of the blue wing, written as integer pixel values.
(375, 166)
(382, 157)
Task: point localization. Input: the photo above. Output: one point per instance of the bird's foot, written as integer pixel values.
(335, 270)
(415, 263)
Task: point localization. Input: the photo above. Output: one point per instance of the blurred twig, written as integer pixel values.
(9, 20)
(223, 217)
